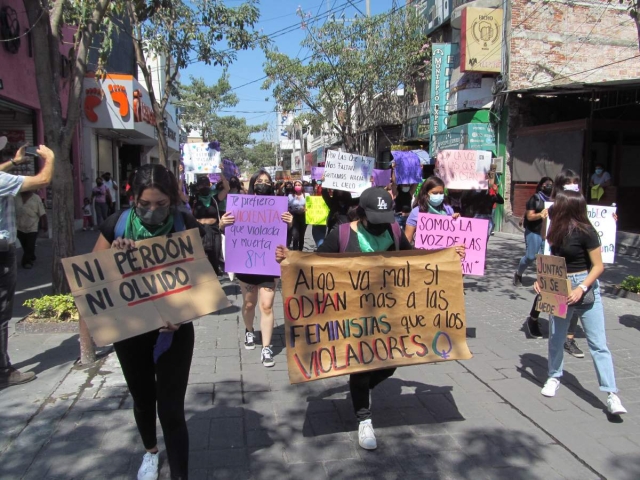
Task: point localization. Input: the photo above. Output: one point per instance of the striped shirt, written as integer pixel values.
(9, 187)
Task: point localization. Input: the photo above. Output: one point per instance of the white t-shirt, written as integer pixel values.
(112, 190)
(600, 179)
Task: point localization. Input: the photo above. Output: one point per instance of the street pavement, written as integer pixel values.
(482, 418)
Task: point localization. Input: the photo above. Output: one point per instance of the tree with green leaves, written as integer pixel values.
(235, 136)
(351, 78)
(261, 154)
(181, 32)
(199, 103)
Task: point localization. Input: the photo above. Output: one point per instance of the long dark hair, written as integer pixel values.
(153, 175)
(255, 176)
(423, 195)
(565, 177)
(569, 213)
(542, 181)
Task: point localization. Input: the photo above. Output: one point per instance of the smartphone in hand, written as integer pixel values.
(31, 152)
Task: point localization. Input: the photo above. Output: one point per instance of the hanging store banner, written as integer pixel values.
(471, 136)
(481, 40)
(444, 56)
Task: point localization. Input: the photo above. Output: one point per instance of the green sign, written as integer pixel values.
(472, 136)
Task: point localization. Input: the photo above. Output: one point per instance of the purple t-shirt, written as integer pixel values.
(100, 194)
(412, 219)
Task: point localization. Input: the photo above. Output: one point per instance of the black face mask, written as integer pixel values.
(547, 190)
(376, 228)
(204, 191)
(262, 189)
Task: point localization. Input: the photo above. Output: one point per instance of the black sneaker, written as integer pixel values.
(517, 280)
(12, 377)
(267, 357)
(249, 340)
(571, 348)
(533, 327)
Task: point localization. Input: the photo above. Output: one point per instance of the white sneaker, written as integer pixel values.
(267, 357)
(366, 437)
(614, 405)
(550, 387)
(149, 468)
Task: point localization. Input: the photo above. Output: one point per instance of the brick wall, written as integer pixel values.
(564, 42)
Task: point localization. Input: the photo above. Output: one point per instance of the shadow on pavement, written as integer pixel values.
(67, 351)
(631, 321)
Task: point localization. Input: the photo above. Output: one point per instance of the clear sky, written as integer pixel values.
(276, 15)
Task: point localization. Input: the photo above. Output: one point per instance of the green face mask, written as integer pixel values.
(370, 242)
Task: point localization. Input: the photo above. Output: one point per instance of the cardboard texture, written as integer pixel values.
(317, 211)
(348, 172)
(366, 311)
(602, 220)
(554, 285)
(121, 294)
(250, 243)
(464, 169)
(441, 231)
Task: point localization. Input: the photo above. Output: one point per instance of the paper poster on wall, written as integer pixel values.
(258, 229)
(347, 172)
(442, 231)
(464, 169)
(601, 217)
(199, 158)
(121, 294)
(349, 313)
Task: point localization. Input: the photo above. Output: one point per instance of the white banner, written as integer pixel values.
(199, 158)
(347, 172)
(602, 220)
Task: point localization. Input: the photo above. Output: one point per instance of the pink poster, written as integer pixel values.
(434, 232)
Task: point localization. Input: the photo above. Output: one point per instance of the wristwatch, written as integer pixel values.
(584, 288)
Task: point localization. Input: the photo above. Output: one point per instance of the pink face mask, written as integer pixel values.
(297, 188)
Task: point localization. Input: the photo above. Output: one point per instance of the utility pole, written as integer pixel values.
(368, 4)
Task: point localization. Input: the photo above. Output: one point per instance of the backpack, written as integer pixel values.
(178, 223)
(344, 232)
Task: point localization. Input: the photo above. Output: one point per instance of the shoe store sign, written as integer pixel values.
(124, 293)
(366, 311)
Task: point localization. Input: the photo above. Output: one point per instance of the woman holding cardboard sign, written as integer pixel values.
(376, 230)
(258, 289)
(155, 364)
(572, 237)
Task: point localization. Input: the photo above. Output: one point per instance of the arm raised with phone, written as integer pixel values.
(43, 178)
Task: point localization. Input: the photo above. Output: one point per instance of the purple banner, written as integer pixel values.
(408, 169)
(381, 178)
(251, 241)
(230, 169)
(317, 173)
(441, 231)
(214, 178)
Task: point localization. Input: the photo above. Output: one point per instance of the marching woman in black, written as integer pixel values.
(155, 364)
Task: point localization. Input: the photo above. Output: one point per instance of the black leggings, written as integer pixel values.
(298, 230)
(535, 314)
(164, 383)
(360, 384)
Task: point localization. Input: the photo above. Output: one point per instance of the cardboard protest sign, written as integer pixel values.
(441, 231)
(214, 178)
(230, 169)
(124, 293)
(366, 311)
(381, 178)
(554, 285)
(317, 211)
(602, 220)
(348, 172)
(464, 169)
(408, 168)
(199, 158)
(317, 173)
(258, 229)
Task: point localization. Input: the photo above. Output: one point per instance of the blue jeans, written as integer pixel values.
(534, 244)
(490, 226)
(592, 317)
(8, 278)
(401, 219)
(318, 232)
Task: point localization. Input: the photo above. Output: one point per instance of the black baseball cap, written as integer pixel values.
(377, 205)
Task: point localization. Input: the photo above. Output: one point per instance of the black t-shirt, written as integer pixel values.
(536, 204)
(480, 203)
(576, 247)
(331, 244)
(108, 227)
(403, 199)
(200, 211)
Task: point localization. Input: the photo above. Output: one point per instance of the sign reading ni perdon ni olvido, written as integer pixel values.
(366, 311)
(124, 293)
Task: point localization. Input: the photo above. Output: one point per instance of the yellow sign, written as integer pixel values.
(349, 313)
(481, 41)
(317, 211)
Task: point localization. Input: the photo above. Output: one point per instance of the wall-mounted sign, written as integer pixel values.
(471, 136)
(443, 60)
(481, 40)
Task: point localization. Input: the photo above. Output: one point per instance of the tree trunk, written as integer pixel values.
(87, 350)
(163, 146)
